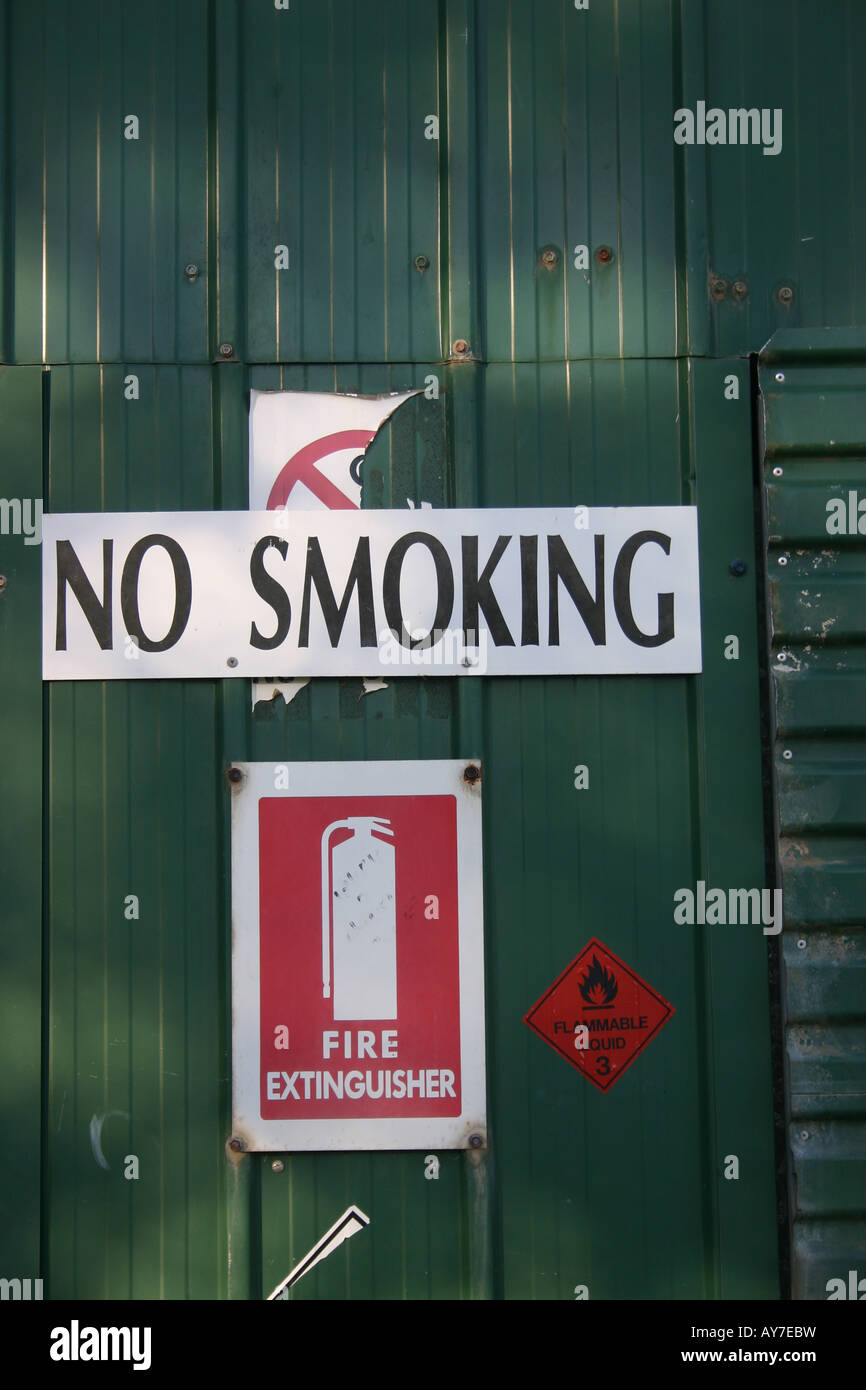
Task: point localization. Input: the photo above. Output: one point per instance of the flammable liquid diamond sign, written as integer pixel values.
(357, 972)
(599, 1015)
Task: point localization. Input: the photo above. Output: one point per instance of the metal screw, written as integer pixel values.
(804, 1134)
(475, 1141)
(718, 289)
(460, 348)
(801, 944)
(787, 755)
(785, 294)
(783, 559)
(604, 255)
(737, 567)
(549, 258)
(471, 774)
(191, 271)
(278, 1166)
(421, 263)
(783, 656)
(780, 376)
(3, 582)
(739, 289)
(234, 774)
(777, 472)
(226, 350)
(236, 1145)
(232, 661)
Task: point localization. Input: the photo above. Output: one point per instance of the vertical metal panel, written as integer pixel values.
(813, 388)
(21, 1027)
(794, 219)
(576, 106)
(337, 169)
(582, 1176)
(102, 226)
(137, 1026)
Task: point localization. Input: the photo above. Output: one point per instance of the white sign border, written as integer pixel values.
(403, 778)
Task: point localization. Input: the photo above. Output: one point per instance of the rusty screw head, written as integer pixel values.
(237, 1145)
(785, 294)
(471, 773)
(549, 258)
(191, 271)
(739, 289)
(422, 263)
(226, 350)
(718, 288)
(604, 255)
(234, 774)
(475, 1141)
(460, 348)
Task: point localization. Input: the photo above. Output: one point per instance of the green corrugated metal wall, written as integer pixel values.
(306, 127)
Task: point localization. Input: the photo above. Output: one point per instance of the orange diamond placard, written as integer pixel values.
(599, 1015)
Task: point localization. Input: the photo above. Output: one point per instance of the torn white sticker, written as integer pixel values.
(372, 684)
(306, 447)
(269, 690)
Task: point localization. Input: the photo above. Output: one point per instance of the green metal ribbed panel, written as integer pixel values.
(336, 167)
(795, 219)
(305, 127)
(139, 1030)
(814, 402)
(21, 959)
(100, 227)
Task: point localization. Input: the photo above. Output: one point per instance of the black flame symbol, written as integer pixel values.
(598, 986)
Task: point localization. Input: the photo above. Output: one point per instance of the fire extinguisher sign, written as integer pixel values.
(357, 958)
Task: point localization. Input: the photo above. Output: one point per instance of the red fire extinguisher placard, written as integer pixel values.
(357, 963)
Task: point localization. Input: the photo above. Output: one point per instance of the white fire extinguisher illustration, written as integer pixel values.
(359, 920)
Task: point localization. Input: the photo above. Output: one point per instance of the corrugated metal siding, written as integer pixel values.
(306, 128)
(814, 393)
(139, 1030)
(99, 227)
(798, 218)
(21, 1018)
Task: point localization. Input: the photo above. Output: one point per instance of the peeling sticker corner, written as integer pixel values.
(266, 690)
(371, 685)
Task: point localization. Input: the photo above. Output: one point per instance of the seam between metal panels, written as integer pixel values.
(771, 838)
(45, 964)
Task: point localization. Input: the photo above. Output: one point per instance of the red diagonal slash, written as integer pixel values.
(301, 468)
